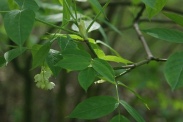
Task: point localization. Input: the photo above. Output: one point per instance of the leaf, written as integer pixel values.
(75, 60)
(4, 5)
(96, 6)
(86, 77)
(150, 3)
(104, 69)
(132, 111)
(27, 4)
(2, 61)
(18, 25)
(66, 13)
(115, 59)
(94, 107)
(119, 118)
(95, 26)
(175, 17)
(53, 57)
(157, 8)
(66, 43)
(166, 34)
(40, 56)
(11, 54)
(174, 70)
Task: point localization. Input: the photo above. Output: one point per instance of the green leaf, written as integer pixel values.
(119, 118)
(104, 69)
(11, 54)
(174, 70)
(40, 55)
(94, 107)
(115, 59)
(96, 6)
(166, 34)
(74, 59)
(66, 13)
(132, 111)
(157, 8)
(4, 5)
(2, 61)
(66, 43)
(175, 17)
(18, 25)
(28, 4)
(86, 77)
(53, 57)
(150, 3)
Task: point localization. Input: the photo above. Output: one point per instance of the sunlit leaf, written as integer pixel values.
(174, 70)
(94, 107)
(18, 25)
(169, 35)
(132, 111)
(115, 59)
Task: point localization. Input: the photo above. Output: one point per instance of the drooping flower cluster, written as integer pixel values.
(42, 79)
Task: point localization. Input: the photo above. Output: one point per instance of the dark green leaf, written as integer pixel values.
(104, 69)
(53, 58)
(175, 17)
(86, 77)
(166, 34)
(66, 13)
(2, 61)
(66, 43)
(40, 55)
(28, 4)
(4, 5)
(132, 111)
(174, 70)
(75, 60)
(11, 54)
(18, 25)
(94, 107)
(119, 118)
(96, 6)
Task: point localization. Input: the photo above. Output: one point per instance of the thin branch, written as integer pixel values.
(135, 65)
(156, 21)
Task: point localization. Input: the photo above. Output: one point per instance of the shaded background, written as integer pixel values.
(21, 100)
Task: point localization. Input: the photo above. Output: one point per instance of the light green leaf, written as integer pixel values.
(115, 59)
(18, 25)
(27, 4)
(40, 55)
(94, 107)
(156, 9)
(132, 111)
(86, 77)
(174, 70)
(175, 17)
(150, 3)
(53, 57)
(166, 34)
(119, 118)
(11, 54)
(74, 59)
(104, 69)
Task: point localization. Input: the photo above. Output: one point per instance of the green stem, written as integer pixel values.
(47, 23)
(4, 11)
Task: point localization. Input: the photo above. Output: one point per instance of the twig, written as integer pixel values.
(90, 47)
(135, 65)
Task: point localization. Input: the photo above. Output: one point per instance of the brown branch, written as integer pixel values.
(135, 65)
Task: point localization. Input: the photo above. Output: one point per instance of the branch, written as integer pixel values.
(90, 47)
(135, 65)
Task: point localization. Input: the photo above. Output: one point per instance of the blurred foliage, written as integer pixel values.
(53, 106)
